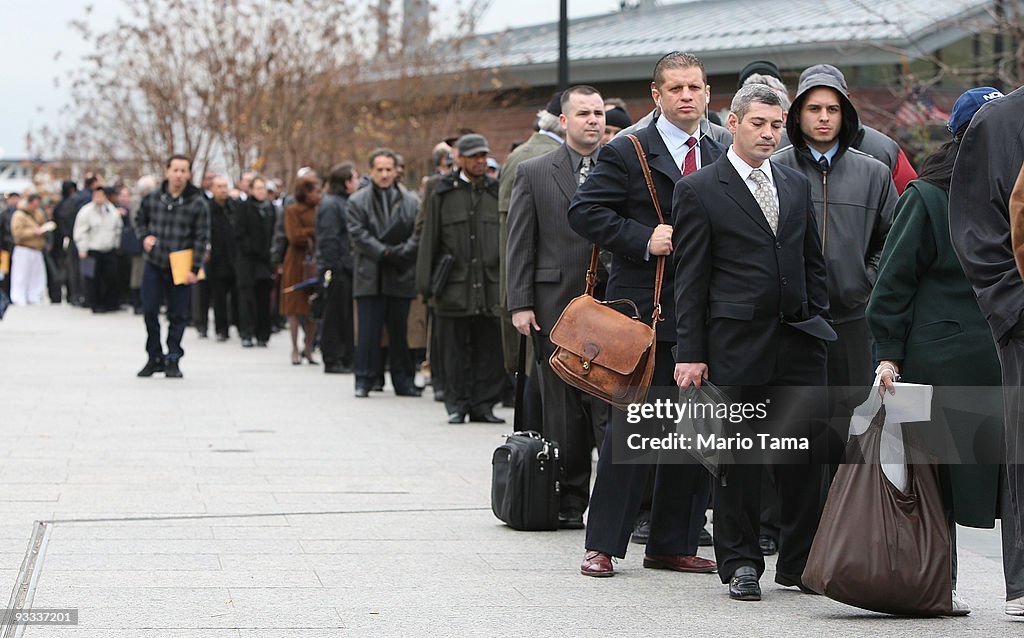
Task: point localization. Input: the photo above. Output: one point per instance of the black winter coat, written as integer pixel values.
(384, 249)
(254, 227)
(222, 241)
(333, 245)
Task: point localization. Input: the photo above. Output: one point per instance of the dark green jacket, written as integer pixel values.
(923, 314)
(462, 220)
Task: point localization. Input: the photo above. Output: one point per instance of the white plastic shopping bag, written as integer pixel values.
(912, 402)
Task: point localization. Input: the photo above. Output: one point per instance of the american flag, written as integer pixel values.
(920, 110)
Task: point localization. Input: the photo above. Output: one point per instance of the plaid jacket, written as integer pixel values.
(177, 223)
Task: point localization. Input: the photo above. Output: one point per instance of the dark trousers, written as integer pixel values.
(434, 352)
(849, 369)
(1011, 359)
(336, 329)
(738, 517)
(213, 291)
(769, 504)
(376, 312)
(158, 287)
(799, 486)
(576, 421)
(474, 372)
(254, 310)
(73, 276)
(54, 275)
(619, 488)
(103, 284)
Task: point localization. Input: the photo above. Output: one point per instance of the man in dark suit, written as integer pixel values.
(546, 266)
(254, 228)
(613, 209)
(751, 313)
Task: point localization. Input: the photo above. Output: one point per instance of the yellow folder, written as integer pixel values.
(181, 265)
(5, 262)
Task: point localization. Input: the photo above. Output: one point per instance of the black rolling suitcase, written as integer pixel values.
(526, 473)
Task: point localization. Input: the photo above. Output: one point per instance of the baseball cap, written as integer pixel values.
(554, 106)
(472, 144)
(968, 104)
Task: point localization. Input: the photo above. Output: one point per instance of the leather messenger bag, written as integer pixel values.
(600, 350)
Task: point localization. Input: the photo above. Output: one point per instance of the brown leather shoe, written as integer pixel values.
(681, 563)
(597, 564)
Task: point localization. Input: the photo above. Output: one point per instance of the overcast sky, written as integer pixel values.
(34, 31)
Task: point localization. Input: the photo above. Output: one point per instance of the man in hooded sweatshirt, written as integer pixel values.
(854, 198)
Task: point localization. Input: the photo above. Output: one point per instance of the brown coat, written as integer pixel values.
(300, 228)
(24, 225)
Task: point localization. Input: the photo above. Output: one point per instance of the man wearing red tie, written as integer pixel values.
(613, 209)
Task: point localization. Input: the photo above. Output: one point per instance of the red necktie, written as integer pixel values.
(690, 160)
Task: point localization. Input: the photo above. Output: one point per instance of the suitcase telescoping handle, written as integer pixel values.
(517, 418)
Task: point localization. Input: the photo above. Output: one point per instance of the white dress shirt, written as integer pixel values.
(745, 170)
(675, 139)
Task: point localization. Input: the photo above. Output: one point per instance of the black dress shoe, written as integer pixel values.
(743, 585)
(262, 344)
(153, 365)
(172, 371)
(570, 519)
(767, 544)
(793, 581)
(247, 342)
(362, 393)
(705, 539)
(438, 394)
(337, 368)
(456, 417)
(641, 532)
(488, 417)
(411, 391)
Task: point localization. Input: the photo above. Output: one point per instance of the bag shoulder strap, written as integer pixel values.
(660, 272)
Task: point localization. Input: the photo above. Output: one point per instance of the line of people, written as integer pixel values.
(775, 236)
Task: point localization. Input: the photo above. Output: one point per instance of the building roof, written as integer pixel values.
(727, 34)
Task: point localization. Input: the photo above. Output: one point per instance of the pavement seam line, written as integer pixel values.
(199, 517)
(27, 579)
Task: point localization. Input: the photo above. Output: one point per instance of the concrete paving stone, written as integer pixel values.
(14, 545)
(131, 562)
(10, 530)
(11, 561)
(274, 520)
(392, 577)
(173, 546)
(439, 545)
(473, 620)
(264, 578)
(106, 531)
(269, 562)
(72, 632)
(322, 632)
(128, 599)
(305, 610)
